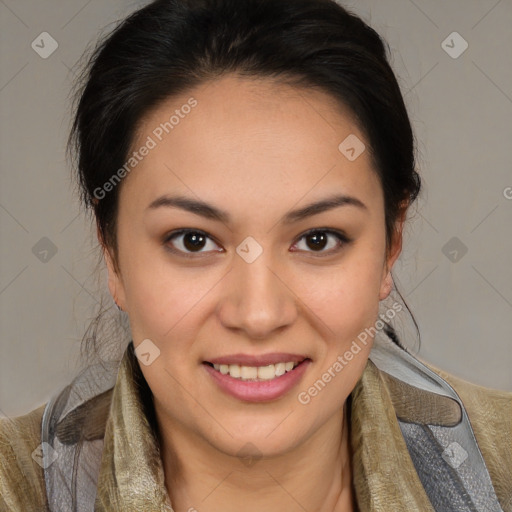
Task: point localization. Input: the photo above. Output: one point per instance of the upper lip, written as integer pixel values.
(257, 360)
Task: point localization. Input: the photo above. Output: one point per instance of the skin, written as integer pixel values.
(257, 150)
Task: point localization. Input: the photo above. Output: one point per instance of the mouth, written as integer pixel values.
(259, 382)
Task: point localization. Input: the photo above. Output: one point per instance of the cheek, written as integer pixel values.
(346, 297)
(164, 306)
(348, 303)
(160, 297)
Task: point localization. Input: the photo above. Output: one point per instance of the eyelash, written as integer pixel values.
(342, 238)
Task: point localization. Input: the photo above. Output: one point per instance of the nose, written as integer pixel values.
(257, 299)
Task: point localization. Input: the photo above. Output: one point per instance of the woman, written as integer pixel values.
(250, 166)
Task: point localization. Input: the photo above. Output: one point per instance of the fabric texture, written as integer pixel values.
(386, 413)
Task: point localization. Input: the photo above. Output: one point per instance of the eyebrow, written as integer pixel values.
(209, 211)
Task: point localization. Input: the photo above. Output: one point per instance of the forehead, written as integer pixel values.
(253, 140)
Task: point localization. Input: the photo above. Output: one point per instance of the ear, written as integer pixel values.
(392, 255)
(115, 283)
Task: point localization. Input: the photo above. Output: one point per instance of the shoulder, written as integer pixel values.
(489, 410)
(21, 477)
(490, 414)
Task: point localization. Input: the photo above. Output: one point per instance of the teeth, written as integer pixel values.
(280, 369)
(254, 373)
(248, 372)
(235, 371)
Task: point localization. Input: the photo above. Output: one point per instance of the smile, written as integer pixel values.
(257, 383)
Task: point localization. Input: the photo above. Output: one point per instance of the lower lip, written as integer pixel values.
(258, 391)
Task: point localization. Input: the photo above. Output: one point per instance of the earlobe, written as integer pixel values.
(115, 284)
(387, 279)
(396, 249)
(386, 286)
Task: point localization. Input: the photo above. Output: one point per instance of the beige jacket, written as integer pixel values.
(130, 474)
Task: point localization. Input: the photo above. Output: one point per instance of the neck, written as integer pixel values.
(316, 476)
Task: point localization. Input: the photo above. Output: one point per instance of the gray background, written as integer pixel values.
(461, 109)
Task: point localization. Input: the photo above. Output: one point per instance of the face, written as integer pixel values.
(257, 280)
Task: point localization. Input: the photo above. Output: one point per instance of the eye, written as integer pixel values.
(188, 241)
(318, 240)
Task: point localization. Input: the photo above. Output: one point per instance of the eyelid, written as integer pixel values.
(339, 234)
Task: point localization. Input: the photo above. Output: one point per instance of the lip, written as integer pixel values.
(258, 360)
(258, 391)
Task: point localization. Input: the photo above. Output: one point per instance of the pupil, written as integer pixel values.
(316, 237)
(193, 241)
